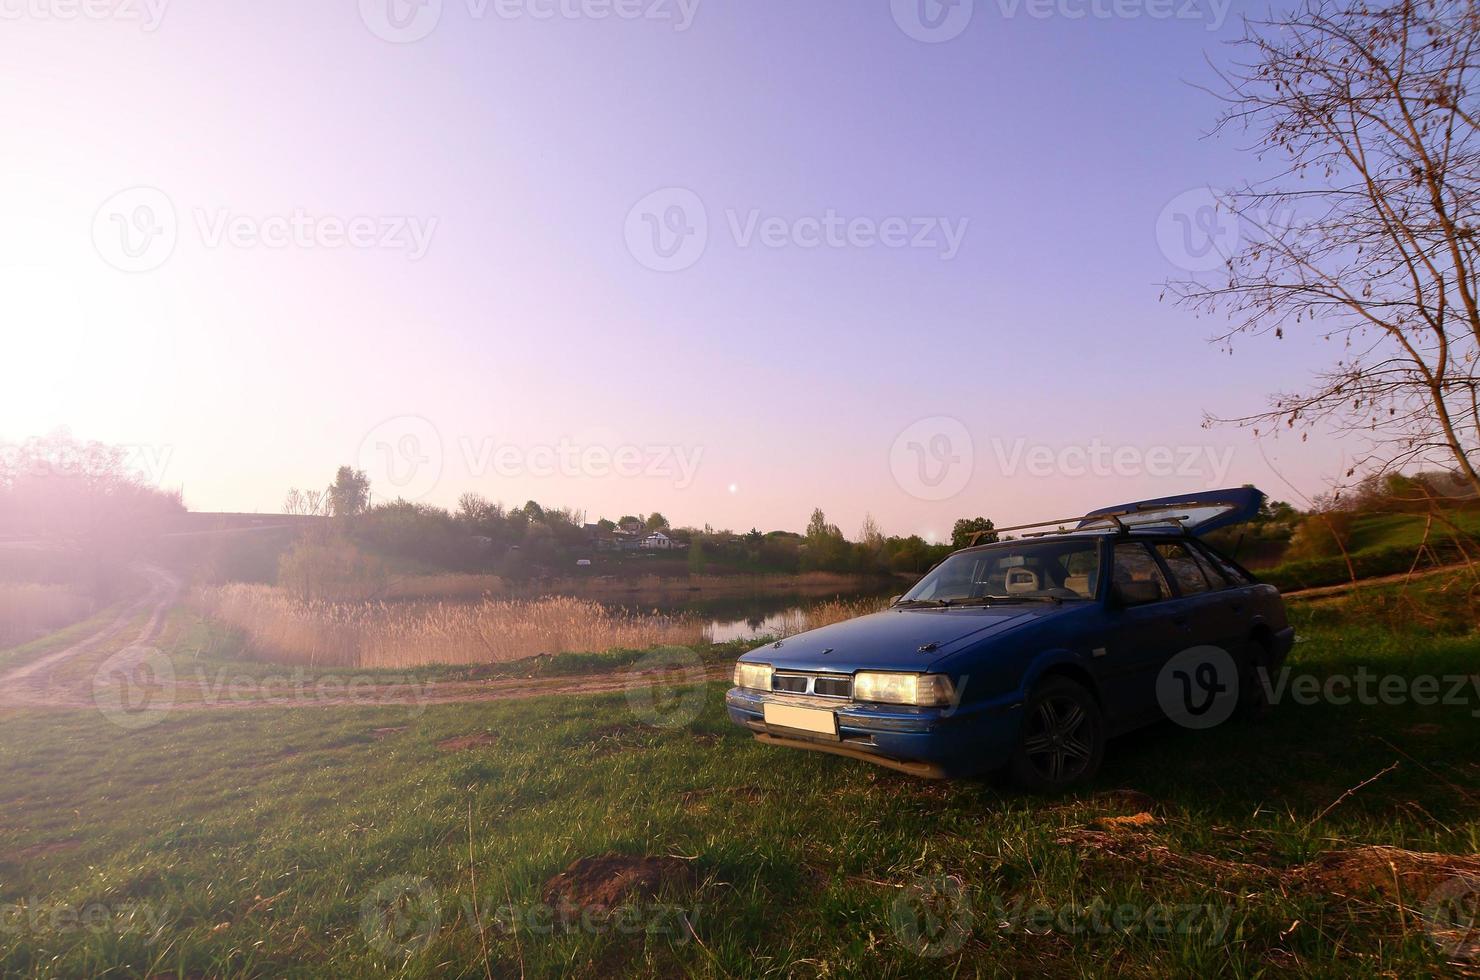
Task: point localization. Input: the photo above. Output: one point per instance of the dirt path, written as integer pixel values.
(36, 683)
(1320, 592)
(141, 681)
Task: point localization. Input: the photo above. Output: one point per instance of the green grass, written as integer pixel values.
(246, 843)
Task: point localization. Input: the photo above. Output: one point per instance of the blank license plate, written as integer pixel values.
(817, 720)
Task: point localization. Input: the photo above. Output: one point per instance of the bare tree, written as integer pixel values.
(1365, 233)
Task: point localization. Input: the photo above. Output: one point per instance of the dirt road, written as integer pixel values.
(133, 679)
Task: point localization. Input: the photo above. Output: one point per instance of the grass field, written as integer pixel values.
(419, 841)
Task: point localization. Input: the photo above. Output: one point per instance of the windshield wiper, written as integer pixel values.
(903, 603)
(1056, 600)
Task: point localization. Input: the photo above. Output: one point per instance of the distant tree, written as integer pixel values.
(606, 525)
(967, 526)
(350, 493)
(306, 503)
(533, 511)
(869, 534)
(656, 522)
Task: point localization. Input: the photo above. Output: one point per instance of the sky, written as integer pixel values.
(726, 261)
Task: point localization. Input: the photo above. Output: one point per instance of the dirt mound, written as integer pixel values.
(609, 880)
(464, 742)
(1403, 876)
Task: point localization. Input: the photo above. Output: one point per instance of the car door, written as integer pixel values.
(1142, 636)
(1206, 616)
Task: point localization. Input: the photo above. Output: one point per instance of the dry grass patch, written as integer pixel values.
(414, 634)
(29, 610)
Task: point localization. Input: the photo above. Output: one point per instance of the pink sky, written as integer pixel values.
(259, 241)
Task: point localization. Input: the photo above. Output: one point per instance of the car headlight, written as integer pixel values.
(757, 677)
(925, 690)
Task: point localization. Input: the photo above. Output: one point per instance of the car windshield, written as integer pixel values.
(1018, 571)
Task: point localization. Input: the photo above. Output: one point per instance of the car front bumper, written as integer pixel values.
(930, 742)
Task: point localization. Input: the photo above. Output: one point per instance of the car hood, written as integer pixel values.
(891, 640)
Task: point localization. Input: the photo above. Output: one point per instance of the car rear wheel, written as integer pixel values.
(1254, 686)
(1063, 738)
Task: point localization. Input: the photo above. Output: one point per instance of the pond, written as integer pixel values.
(754, 617)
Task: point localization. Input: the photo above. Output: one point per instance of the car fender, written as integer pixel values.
(1057, 660)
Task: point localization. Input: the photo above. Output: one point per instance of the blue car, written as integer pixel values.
(1030, 653)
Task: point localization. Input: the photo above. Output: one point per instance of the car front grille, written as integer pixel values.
(820, 685)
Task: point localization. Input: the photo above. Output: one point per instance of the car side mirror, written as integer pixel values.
(1135, 593)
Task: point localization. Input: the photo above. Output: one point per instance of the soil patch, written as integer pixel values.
(609, 880)
(1399, 875)
(464, 742)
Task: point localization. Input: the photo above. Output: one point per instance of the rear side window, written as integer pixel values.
(1223, 565)
(1134, 564)
(1184, 568)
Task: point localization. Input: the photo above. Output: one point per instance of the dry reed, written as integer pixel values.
(412, 634)
(29, 610)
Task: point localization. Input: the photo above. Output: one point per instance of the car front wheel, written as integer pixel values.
(1063, 738)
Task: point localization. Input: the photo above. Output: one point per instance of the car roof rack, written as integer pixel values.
(1112, 519)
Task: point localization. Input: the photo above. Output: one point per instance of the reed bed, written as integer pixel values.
(29, 610)
(414, 634)
(615, 588)
(800, 620)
